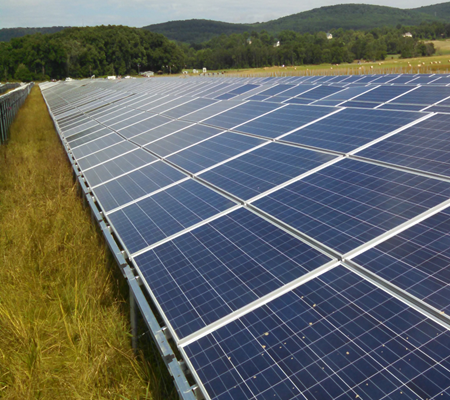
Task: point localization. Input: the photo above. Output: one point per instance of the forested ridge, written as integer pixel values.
(82, 52)
(120, 50)
(345, 16)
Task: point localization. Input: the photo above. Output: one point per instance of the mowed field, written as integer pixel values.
(64, 323)
(439, 63)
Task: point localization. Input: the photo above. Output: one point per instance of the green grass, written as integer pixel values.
(63, 320)
(442, 46)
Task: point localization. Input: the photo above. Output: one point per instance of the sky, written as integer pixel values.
(138, 13)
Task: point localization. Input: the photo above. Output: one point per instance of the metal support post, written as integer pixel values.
(133, 322)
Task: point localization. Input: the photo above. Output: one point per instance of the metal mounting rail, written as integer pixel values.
(138, 300)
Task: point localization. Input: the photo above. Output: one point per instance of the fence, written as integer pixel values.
(9, 105)
(7, 86)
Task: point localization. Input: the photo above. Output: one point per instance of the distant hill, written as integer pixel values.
(346, 16)
(197, 30)
(7, 34)
(440, 11)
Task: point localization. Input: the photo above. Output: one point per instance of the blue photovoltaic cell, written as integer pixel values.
(113, 118)
(187, 108)
(160, 131)
(423, 80)
(284, 120)
(270, 92)
(170, 105)
(299, 100)
(79, 128)
(425, 146)
(264, 168)
(209, 111)
(295, 91)
(361, 104)
(343, 95)
(240, 114)
(130, 121)
(349, 203)
(118, 166)
(416, 260)
(89, 138)
(225, 96)
(97, 145)
(151, 122)
(336, 337)
(244, 89)
(401, 107)
(182, 139)
(106, 154)
(351, 128)
(166, 213)
(214, 150)
(319, 93)
(220, 267)
(424, 95)
(86, 132)
(378, 95)
(401, 79)
(136, 184)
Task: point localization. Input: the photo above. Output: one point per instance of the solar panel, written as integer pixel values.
(416, 260)
(210, 152)
(336, 337)
(240, 114)
(283, 120)
(115, 167)
(181, 139)
(223, 266)
(424, 146)
(349, 129)
(349, 203)
(136, 185)
(166, 213)
(264, 168)
(292, 251)
(105, 154)
(96, 145)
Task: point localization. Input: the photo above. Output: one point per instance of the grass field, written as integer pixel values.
(63, 321)
(442, 46)
(439, 63)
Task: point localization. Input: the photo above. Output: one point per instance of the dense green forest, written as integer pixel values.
(82, 52)
(119, 50)
(345, 16)
(258, 49)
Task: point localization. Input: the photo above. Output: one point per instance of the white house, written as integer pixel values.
(277, 44)
(408, 34)
(329, 36)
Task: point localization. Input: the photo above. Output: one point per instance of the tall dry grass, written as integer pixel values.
(63, 321)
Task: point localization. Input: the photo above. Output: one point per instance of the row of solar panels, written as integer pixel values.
(294, 250)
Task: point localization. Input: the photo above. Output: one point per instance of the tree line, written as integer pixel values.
(83, 52)
(253, 50)
(120, 50)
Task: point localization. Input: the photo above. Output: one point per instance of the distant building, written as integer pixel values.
(249, 41)
(112, 77)
(204, 70)
(407, 34)
(277, 44)
(329, 36)
(148, 74)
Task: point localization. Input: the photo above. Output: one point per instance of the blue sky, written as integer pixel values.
(138, 13)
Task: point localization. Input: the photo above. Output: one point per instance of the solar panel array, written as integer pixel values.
(293, 233)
